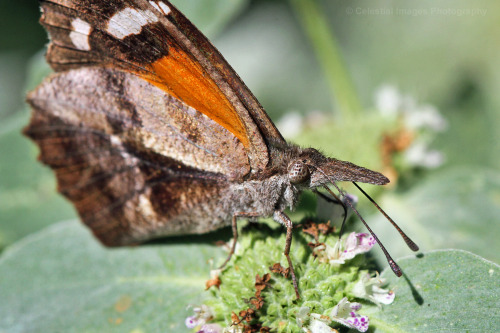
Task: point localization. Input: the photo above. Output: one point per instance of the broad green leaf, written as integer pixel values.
(62, 280)
(453, 208)
(442, 291)
(28, 198)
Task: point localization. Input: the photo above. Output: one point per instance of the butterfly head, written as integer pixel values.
(312, 169)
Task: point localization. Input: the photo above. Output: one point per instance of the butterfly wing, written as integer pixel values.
(145, 124)
(153, 40)
(136, 162)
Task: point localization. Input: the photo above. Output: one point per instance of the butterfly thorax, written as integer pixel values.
(262, 197)
(274, 188)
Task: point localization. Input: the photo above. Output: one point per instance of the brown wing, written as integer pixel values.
(156, 42)
(136, 162)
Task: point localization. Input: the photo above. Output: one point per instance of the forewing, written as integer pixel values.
(136, 162)
(156, 42)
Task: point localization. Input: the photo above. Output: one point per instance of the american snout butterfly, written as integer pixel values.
(151, 133)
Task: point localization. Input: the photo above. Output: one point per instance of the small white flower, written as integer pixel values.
(210, 328)
(202, 314)
(356, 244)
(192, 322)
(388, 100)
(319, 324)
(345, 249)
(313, 322)
(418, 155)
(369, 288)
(422, 120)
(425, 116)
(345, 313)
(233, 329)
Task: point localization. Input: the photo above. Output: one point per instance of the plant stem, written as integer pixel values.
(328, 54)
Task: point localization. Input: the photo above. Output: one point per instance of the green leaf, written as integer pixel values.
(28, 200)
(62, 280)
(453, 208)
(443, 291)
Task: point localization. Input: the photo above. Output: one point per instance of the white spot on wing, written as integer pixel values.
(162, 7)
(165, 8)
(145, 207)
(115, 141)
(80, 34)
(118, 143)
(129, 21)
(154, 4)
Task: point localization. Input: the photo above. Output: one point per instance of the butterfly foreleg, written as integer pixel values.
(235, 234)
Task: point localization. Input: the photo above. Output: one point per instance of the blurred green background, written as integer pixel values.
(440, 53)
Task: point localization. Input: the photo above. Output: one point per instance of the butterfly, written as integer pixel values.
(151, 133)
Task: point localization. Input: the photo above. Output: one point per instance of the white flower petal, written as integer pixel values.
(202, 314)
(369, 288)
(233, 329)
(418, 155)
(345, 313)
(342, 309)
(426, 116)
(317, 326)
(356, 244)
(192, 322)
(210, 328)
(388, 100)
(383, 296)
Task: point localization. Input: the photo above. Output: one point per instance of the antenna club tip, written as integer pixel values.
(414, 247)
(395, 268)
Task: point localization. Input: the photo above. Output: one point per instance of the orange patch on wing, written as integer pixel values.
(184, 78)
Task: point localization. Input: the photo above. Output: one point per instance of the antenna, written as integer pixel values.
(395, 268)
(411, 244)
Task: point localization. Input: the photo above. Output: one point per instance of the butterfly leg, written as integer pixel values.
(235, 234)
(285, 220)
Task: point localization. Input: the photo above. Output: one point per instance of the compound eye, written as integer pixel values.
(298, 172)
